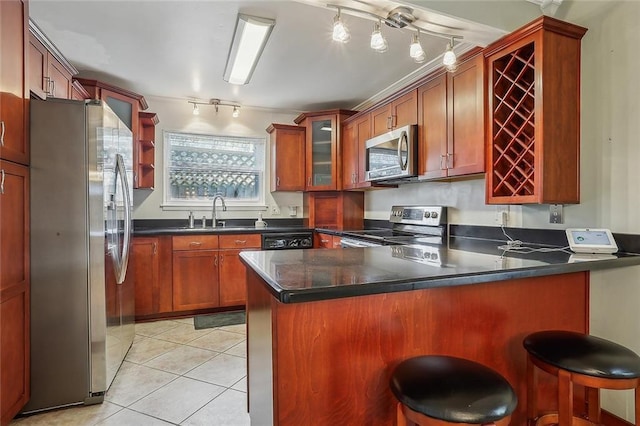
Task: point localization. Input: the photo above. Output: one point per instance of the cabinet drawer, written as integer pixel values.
(240, 241)
(195, 242)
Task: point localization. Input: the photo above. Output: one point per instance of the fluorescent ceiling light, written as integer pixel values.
(249, 39)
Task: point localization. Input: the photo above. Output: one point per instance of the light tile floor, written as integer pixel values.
(172, 375)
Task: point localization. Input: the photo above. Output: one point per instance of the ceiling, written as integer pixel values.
(178, 49)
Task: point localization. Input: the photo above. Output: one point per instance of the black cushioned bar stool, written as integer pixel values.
(441, 390)
(577, 358)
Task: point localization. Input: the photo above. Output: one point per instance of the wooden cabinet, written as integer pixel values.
(451, 122)
(49, 73)
(533, 121)
(127, 105)
(14, 93)
(78, 92)
(396, 113)
(323, 149)
(335, 210)
(14, 286)
(233, 277)
(195, 272)
(287, 144)
(355, 134)
(322, 240)
(150, 271)
(14, 210)
(145, 151)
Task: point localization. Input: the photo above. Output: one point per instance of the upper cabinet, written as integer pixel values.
(396, 113)
(287, 144)
(323, 146)
(127, 105)
(354, 135)
(144, 157)
(451, 121)
(49, 72)
(14, 93)
(533, 122)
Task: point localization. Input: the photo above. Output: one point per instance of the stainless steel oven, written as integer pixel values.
(392, 155)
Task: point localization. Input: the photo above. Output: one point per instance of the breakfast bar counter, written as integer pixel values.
(326, 327)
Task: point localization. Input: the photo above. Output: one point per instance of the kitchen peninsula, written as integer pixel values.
(326, 327)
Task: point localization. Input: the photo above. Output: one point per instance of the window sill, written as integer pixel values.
(202, 206)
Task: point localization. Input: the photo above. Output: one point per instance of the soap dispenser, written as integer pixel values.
(260, 223)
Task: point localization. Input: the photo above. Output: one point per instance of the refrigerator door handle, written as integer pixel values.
(121, 173)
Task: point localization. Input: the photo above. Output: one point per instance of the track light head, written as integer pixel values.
(340, 30)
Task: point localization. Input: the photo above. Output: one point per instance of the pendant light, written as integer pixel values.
(449, 59)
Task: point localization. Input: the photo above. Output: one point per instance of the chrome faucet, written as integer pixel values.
(213, 208)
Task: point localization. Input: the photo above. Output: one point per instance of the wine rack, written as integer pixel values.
(513, 144)
(533, 120)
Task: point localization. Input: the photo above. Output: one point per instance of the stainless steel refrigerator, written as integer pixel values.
(82, 308)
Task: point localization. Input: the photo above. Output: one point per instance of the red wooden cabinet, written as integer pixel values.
(49, 72)
(355, 134)
(533, 121)
(149, 270)
(233, 276)
(451, 122)
(396, 113)
(287, 169)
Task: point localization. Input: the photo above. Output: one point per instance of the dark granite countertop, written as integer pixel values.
(320, 274)
(216, 231)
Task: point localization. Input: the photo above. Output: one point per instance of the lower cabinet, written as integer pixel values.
(195, 272)
(174, 274)
(322, 240)
(150, 272)
(232, 272)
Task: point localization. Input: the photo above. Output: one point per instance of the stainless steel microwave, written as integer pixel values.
(392, 155)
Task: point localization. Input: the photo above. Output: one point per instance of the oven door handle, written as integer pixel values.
(403, 140)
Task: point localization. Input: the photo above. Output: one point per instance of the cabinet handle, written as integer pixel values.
(2, 182)
(278, 181)
(195, 244)
(324, 241)
(309, 181)
(2, 134)
(47, 85)
(449, 161)
(389, 124)
(215, 260)
(221, 259)
(241, 242)
(155, 248)
(52, 83)
(394, 121)
(443, 160)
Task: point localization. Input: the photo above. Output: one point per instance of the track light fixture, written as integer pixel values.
(340, 30)
(378, 42)
(449, 59)
(399, 18)
(216, 103)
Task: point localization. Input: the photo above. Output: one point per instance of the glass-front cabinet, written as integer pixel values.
(323, 167)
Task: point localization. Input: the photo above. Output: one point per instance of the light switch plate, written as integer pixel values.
(555, 213)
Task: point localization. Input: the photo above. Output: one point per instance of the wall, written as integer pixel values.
(176, 115)
(610, 171)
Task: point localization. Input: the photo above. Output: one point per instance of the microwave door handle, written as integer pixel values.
(403, 140)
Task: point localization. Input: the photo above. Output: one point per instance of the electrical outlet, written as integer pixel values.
(502, 215)
(555, 213)
(275, 210)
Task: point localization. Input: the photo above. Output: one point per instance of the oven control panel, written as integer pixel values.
(419, 215)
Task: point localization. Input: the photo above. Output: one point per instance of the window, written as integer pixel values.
(201, 166)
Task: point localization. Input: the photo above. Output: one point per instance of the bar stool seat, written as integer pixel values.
(436, 390)
(577, 358)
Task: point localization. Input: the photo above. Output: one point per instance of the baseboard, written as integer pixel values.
(612, 420)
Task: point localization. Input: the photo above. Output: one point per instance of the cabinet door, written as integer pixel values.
(143, 271)
(380, 119)
(432, 128)
(465, 93)
(60, 79)
(350, 158)
(195, 280)
(233, 279)
(404, 110)
(14, 112)
(37, 71)
(14, 289)
(323, 173)
(287, 157)
(323, 240)
(362, 134)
